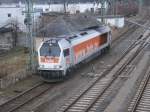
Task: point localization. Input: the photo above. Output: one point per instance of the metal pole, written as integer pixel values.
(29, 20)
(114, 7)
(102, 10)
(49, 3)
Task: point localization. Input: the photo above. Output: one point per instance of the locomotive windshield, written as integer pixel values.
(50, 50)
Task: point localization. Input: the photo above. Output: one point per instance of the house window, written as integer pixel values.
(9, 15)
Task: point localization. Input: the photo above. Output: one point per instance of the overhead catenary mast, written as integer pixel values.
(102, 2)
(102, 10)
(29, 23)
(49, 4)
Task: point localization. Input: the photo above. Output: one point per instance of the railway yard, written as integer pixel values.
(115, 81)
(103, 68)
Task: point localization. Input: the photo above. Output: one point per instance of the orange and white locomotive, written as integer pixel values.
(57, 56)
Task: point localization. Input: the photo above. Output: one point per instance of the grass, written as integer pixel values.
(15, 60)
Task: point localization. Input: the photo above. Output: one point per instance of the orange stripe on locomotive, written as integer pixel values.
(85, 47)
(48, 59)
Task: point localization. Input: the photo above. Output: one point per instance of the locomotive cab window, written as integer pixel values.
(50, 50)
(66, 52)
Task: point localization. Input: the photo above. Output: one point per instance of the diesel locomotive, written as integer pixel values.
(59, 55)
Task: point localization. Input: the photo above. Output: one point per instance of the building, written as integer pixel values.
(6, 38)
(16, 12)
(13, 12)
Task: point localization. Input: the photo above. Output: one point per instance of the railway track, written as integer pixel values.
(132, 28)
(125, 34)
(22, 99)
(122, 37)
(86, 99)
(25, 97)
(141, 101)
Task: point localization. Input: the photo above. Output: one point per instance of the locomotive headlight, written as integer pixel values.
(42, 66)
(57, 66)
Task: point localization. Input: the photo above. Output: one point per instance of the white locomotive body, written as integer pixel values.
(58, 55)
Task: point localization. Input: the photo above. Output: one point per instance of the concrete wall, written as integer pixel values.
(6, 40)
(117, 22)
(22, 40)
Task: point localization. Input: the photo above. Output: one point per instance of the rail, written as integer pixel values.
(25, 97)
(85, 100)
(142, 91)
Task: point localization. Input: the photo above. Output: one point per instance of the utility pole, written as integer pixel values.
(65, 6)
(49, 4)
(102, 10)
(29, 23)
(114, 7)
(102, 2)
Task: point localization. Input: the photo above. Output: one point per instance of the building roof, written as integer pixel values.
(66, 25)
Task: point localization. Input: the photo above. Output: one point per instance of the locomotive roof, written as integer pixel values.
(100, 29)
(82, 33)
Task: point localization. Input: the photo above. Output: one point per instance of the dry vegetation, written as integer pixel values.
(12, 62)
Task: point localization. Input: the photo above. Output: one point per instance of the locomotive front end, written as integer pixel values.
(50, 61)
